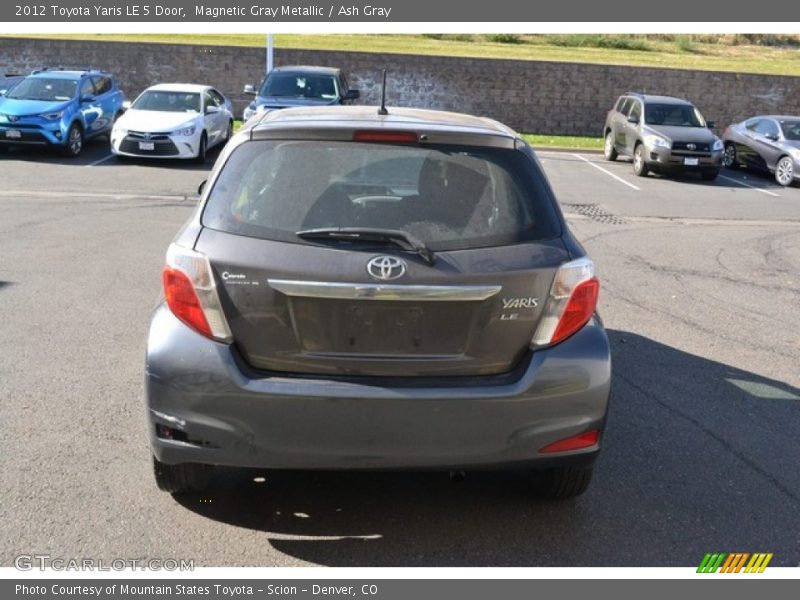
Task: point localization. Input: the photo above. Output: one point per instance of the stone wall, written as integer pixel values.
(538, 97)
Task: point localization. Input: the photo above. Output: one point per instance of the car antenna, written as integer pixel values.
(382, 110)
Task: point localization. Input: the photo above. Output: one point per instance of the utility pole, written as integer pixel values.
(269, 53)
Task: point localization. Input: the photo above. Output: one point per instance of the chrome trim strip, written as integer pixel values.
(380, 291)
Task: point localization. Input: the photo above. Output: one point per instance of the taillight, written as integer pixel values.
(191, 293)
(572, 302)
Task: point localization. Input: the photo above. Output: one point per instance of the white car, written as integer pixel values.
(173, 120)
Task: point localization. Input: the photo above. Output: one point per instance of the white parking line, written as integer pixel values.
(102, 160)
(609, 173)
(752, 187)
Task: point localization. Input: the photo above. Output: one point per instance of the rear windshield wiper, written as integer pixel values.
(359, 234)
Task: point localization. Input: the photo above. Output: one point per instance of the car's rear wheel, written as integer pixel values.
(74, 143)
(183, 477)
(609, 152)
(639, 165)
(202, 149)
(784, 171)
(561, 483)
(710, 175)
(729, 160)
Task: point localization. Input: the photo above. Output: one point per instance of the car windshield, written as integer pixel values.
(42, 88)
(791, 130)
(299, 85)
(673, 115)
(448, 197)
(168, 101)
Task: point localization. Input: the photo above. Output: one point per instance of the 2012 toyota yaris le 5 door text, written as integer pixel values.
(360, 290)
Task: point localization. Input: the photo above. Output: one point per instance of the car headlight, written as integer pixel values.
(718, 145)
(119, 131)
(53, 116)
(656, 141)
(185, 131)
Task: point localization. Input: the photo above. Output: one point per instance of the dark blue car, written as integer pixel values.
(60, 108)
(287, 87)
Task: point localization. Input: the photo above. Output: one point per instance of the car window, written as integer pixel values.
(767, 127)
(626, 107)
(791, 130)
(450, 197)
(102, 85)
(674, 115)
(217, 97)
(43, 88)
(620, 102)
(87, 88)
(168, 101)
(299, 85)
(752, 124)
(636, 110)
(209, 100)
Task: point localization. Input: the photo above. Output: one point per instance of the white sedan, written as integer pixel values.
(173, 120)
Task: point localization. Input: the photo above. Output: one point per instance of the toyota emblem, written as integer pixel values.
(691, 146)
(386, 267)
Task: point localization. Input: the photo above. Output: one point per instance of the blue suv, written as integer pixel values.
(60, 108)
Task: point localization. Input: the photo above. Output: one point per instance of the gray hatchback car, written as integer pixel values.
(367, 291)
(662, 134)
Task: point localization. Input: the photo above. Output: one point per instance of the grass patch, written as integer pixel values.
(563, 141)
(741, 53)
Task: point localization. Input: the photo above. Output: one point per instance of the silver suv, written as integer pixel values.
(367, 291)
(662, 134)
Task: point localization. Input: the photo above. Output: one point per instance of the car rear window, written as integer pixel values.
(450, 197)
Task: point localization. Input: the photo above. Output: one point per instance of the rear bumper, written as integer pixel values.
(228, 416)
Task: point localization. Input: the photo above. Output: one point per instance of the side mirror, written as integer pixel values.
(87, 98)
(249, 90)
(212, 109)
(126, 105)
(352, 95)
(633, 119)
(772, 136)
(711, 124)
(3, 92)
(201, 187)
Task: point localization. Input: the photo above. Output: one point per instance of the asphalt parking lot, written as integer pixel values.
(700, 288)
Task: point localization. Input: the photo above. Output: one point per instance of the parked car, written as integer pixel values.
(285, 87)
(61, 108)
(357, 291)
(767, 143)
(662, 134)
(174, 120)
(8, 81)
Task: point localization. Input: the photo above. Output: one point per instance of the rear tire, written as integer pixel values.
(561, 483)
(640, 168)
(609, 152)
(784, 171)
(183, 477)
(710, 175)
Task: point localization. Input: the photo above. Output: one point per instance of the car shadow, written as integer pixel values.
(699, 456)
(167, 163)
